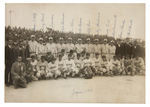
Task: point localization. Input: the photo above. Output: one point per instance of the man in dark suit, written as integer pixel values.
(142, 50)
(129, 49)
(15, 50)
(8, 62)
(117, 53)
(119, 49)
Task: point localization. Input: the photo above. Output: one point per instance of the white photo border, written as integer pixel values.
(2, 43)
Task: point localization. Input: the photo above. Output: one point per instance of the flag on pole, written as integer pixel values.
(42, 20)
(52, 21)
(89, 27)
(98, 23)
(107, 27)
(72, 25)
(114, 27)
(122, 27)
(80, 25)
(130, 27)
(34, 21)
(62, 23)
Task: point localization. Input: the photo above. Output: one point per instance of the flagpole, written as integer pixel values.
(114, 27)
(42, 20)
(62, 23)
(10, 16)
(122, 27)
(52, 21)
(89, 27)
(130, 27)
(98, 23)
(72, 25)
(80, 25)
(34, 21)
(107, 27)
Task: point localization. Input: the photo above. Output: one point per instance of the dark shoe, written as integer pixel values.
(7, 85)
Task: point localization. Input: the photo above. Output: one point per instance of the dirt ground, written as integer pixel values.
(119, 89)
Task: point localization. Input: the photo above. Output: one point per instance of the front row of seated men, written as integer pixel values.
(83, 66)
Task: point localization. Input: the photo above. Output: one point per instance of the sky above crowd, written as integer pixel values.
(111, 19)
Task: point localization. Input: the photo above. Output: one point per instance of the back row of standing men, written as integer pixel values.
(41, 48)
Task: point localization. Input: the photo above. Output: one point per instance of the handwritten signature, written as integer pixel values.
(81, 91)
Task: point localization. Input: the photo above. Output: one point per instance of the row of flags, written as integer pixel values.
(80, 24)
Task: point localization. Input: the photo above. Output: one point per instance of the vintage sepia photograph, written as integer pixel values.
(75, 53)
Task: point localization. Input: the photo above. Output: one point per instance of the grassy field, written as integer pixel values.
(119, 89)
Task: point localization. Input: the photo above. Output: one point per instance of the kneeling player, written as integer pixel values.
(96, 64)
(129, 66)
(70, 65)
(139, 65)
(53, 69)
(104, 66)
(79, 65)
(116, 66)
(62, 66)
(34, 66)
(41, 68)
(87, 67)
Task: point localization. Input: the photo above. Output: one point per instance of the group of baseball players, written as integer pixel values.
(43, 59)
